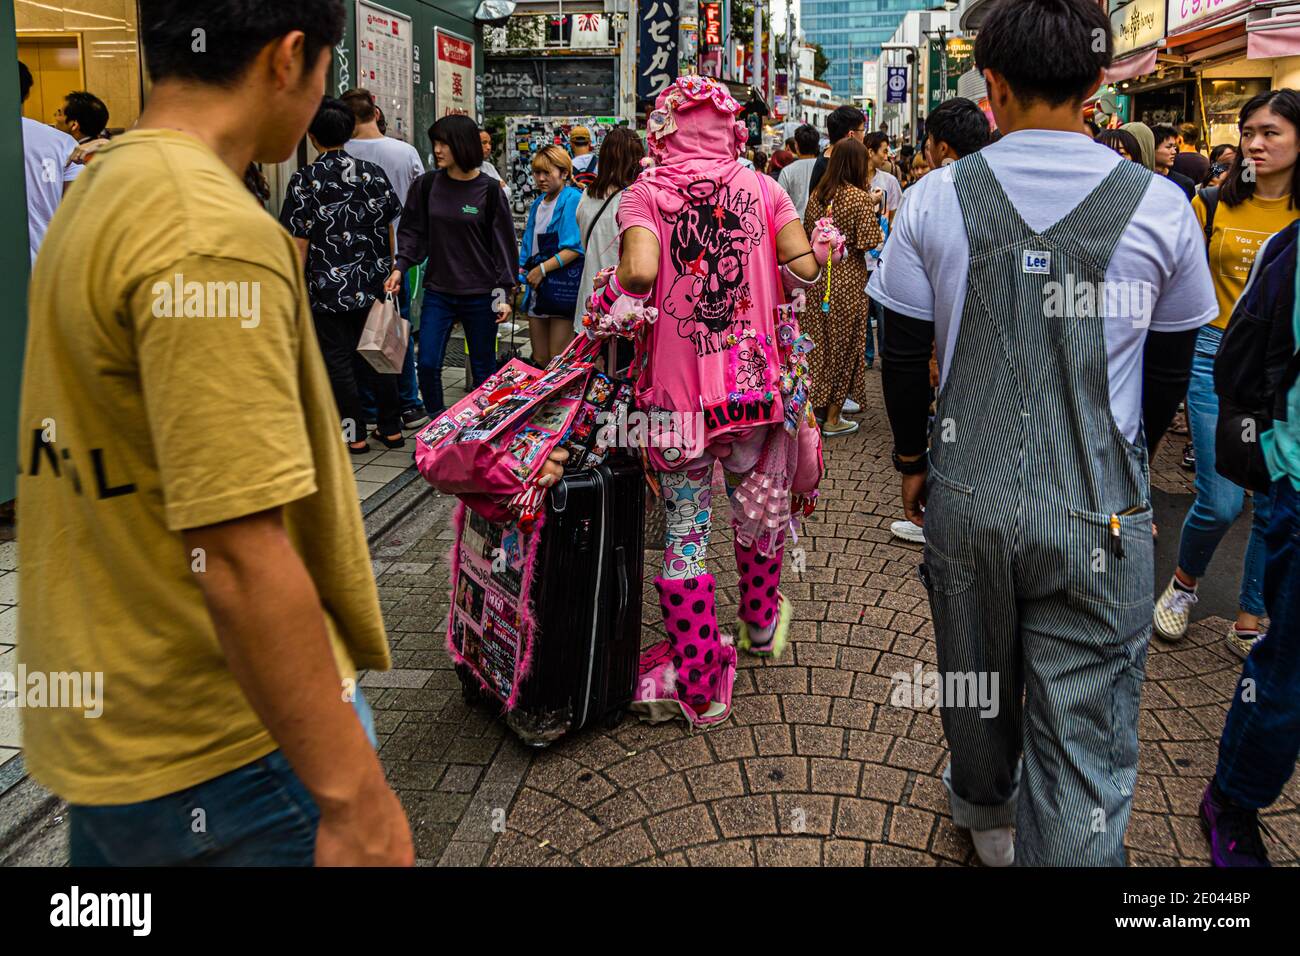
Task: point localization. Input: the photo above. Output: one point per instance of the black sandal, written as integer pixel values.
(400, 442)
(363, 450)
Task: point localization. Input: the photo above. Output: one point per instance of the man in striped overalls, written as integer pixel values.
(1039, 552)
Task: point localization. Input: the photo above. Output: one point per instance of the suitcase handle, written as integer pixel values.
(620, 563)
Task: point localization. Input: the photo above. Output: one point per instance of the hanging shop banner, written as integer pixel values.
(384, 41)
(1136, 24)
(896, 84)
(590, 31)
(712, 13)
(656, 65)
(454, 77)
(961, 57)
(1185, 14)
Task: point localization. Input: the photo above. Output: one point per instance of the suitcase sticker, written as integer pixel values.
(488, 631)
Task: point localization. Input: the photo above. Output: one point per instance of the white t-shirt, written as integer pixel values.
(794, 179)
(399, 161)
(923, 270)
(45, 159)
(600, 245)
(887, 183)
(580, 163)
(491, 170)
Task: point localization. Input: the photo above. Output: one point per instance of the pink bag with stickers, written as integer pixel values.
(489, 447)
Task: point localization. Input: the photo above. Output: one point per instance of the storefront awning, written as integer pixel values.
(1224, 30)
(1128, 67)
(1276, 36)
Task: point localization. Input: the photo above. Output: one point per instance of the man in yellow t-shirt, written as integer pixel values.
(193, 555)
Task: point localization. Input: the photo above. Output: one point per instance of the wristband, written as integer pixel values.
(618, 289)
(920, 466)
(542, 266)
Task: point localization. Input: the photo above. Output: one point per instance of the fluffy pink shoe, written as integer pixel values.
(692, 673)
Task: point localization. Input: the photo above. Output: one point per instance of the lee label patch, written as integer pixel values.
(1040, 262)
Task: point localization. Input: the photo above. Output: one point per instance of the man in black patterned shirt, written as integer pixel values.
(340, 210)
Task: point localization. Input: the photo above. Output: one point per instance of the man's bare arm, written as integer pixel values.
(792, 246)
(271, 627)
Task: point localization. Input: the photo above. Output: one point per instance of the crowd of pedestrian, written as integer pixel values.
(1022, 431)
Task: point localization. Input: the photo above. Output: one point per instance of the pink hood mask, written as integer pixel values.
(693, 135)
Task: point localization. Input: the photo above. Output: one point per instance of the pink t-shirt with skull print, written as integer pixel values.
(713, 349)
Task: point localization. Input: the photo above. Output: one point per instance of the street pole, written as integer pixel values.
(771, 62)
(943, 64)
(755, 74)
(792, 64)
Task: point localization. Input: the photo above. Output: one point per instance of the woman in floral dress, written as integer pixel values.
(837, 323)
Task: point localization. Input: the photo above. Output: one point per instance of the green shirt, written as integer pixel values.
(1281, 443)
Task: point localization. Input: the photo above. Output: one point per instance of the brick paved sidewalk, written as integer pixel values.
(815, 767)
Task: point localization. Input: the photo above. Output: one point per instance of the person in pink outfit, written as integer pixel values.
(713, 248)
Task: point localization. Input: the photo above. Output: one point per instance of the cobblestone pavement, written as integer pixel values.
(815, 767)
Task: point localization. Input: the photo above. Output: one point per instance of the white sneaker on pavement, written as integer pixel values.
(996, 847)
(851, 407)
(907, 531)
(1241, 643)
(1173, 612)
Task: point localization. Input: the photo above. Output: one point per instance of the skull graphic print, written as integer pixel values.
(710, 243)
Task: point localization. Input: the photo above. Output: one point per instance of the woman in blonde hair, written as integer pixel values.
(550, 256)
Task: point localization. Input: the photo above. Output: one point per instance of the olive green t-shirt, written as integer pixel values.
(172, 380)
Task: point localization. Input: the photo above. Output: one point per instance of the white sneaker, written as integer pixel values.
(851, 407)
(1173, 612)
(996, 847)
(1241, 645)
(907, 531)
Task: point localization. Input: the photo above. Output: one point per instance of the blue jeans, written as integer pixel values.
(1218, 501)
(1261, 737)
(257, 815)
(408, 389)
(440, 314)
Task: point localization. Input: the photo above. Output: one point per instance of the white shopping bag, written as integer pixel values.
(383, 340)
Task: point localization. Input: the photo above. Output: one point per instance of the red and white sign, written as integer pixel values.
(453, 75)
(712, 24)
(590, 31)
(384, 42)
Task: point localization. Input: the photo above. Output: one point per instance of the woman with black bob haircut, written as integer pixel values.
(460, 135)
(457, 219)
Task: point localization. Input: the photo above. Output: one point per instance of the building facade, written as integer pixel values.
(851, 31)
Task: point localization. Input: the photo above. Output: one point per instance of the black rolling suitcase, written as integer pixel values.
(586, 608)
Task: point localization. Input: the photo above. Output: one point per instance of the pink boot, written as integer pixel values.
(762, 605)
(690, 674)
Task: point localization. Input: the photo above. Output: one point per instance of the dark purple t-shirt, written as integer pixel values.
(467, 254)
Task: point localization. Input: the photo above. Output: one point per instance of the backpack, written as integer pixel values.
(1210, 197)
(1257, 364)
(588, 176)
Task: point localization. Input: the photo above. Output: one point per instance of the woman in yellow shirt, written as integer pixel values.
(1257, 199)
